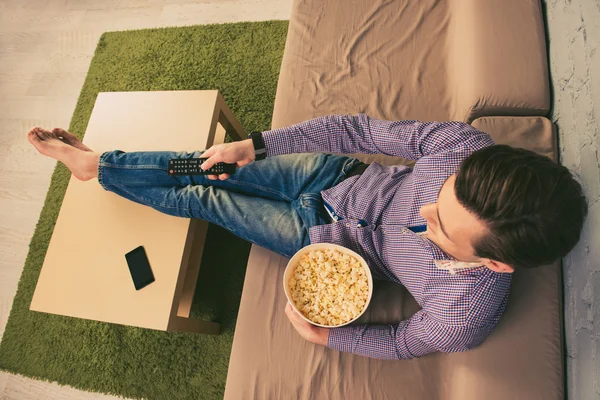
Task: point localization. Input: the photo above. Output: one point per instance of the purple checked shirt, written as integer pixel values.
(377, 207)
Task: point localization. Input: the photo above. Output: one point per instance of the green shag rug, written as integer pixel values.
(242, 61)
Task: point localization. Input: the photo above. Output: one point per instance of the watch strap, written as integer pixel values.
(260, 152)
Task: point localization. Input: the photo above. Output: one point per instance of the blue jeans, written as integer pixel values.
(271, 202)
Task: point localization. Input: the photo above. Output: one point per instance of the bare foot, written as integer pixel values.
(82, 163)
(70, 139)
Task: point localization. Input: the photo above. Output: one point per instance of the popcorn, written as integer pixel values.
(329, 287)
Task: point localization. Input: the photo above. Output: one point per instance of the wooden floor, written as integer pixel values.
(45, 51)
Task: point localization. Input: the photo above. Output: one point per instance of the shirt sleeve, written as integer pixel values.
(352, 134)
(414, 337)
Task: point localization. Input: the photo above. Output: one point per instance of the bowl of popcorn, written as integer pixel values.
(328, 285)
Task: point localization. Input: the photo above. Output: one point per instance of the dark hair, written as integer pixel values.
(533, 208)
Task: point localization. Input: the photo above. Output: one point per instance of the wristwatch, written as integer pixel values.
(260, 153)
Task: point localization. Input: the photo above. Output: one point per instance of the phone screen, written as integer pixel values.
(139, 267)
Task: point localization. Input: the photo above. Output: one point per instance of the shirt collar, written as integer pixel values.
(444, 261)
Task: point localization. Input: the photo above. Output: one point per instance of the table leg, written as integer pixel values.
(229, 122)
(192, 325)
(186, 287)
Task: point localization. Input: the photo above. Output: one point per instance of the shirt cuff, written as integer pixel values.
(341, 339)
(277, 142)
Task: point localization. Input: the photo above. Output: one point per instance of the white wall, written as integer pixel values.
(574, 37)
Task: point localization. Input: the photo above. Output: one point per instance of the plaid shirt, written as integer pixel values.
(377, 209)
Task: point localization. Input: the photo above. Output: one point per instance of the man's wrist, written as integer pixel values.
(323, 337)
(249, 148)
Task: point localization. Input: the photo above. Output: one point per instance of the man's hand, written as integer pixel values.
(308, 331)
(240, 153)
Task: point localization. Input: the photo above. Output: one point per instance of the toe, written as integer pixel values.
(60, 132)
(63, 135)
(38, 133)
(31, 136)
(47, 133)
(68, 137)
(37, 141)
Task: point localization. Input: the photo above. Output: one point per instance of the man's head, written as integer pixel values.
(507, 208)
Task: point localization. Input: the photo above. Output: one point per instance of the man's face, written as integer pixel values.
(451, 226)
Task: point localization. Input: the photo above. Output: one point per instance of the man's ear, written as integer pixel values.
(497, 266)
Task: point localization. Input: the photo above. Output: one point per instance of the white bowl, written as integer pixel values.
(291, 266)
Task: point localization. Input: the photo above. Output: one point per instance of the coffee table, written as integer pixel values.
(85, 274)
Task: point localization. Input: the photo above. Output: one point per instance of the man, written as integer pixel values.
(451, 229)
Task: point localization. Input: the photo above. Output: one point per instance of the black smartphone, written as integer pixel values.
(139, 267)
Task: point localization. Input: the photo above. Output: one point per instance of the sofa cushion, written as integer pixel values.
(425, 60)
(533, 133)
(498, 63)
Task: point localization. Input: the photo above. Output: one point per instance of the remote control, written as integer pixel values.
(191, 166)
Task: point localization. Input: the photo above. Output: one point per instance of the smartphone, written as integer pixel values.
(139, 267)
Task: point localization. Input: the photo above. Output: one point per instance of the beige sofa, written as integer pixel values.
(479, 61)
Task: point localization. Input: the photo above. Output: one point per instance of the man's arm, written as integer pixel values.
(360, 133)
(352, 134)
(414, 337)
